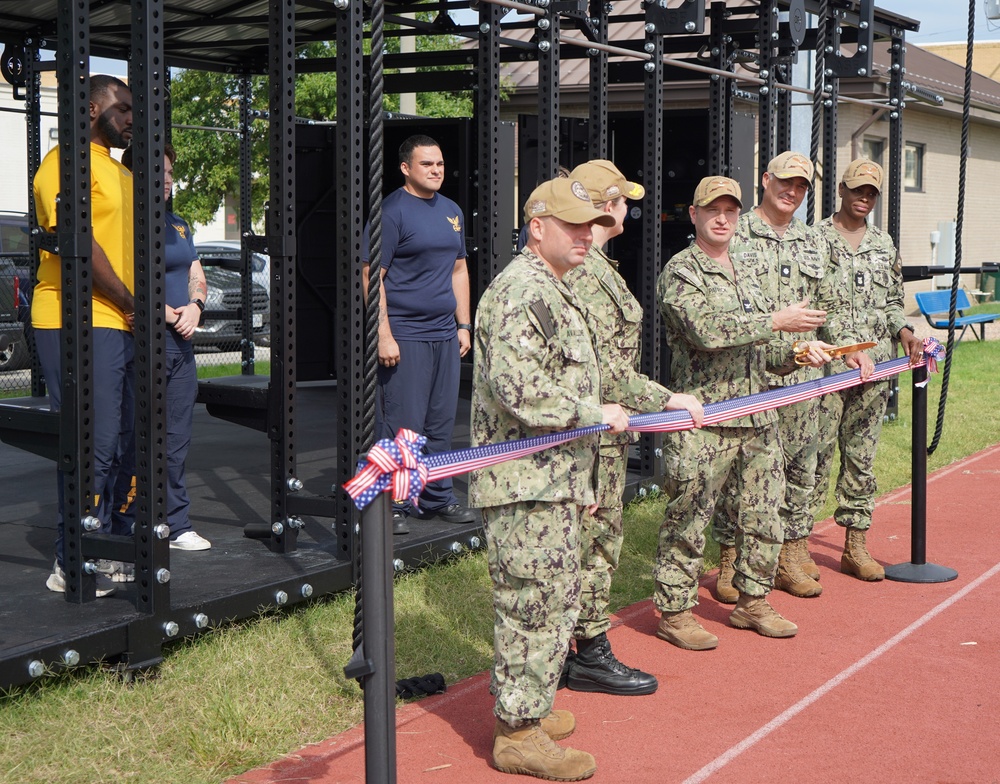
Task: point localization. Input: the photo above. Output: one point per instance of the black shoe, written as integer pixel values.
(595, 668)
(399, 526)
(453, 513)
(564, 675)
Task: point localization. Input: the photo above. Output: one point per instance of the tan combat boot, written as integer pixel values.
(753, 612)
(790, 577)
(529, 751)
(724, 590)
(856, 559)
(558, 724)
(805, 560)
(681, 629)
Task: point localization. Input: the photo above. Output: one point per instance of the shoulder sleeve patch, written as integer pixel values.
(543, 318)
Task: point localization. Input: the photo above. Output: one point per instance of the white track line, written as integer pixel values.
(783, 718)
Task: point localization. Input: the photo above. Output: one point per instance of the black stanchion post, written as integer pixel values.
(918, 570)
(375, 661)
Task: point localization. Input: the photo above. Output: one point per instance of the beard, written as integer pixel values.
(112, 135)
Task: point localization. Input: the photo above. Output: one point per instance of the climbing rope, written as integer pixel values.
(819, 81)
(960, 220)
(372, 304)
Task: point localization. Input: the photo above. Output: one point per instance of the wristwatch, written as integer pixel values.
(909, 327)
(199, 303)
(464, 326)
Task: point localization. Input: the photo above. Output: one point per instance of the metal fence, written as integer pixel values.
(218, 342)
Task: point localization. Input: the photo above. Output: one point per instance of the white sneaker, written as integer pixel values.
(57, 582)
(117, 571)
(189, 540)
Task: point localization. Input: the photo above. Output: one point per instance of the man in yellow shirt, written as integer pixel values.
(112, 304)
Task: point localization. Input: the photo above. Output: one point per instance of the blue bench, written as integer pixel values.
(934, 305)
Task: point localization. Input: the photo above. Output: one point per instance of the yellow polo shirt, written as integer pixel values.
(111, 218)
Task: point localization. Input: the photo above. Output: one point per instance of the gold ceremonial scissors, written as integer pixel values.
(801, 353)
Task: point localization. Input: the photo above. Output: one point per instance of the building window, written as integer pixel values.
(913, 166)
(872, 149)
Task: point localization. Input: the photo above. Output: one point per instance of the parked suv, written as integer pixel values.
(222, 273)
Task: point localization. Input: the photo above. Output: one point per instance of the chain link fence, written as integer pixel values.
(218, 342)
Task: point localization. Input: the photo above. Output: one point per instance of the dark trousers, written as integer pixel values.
(421, 393)
(113, 413)
(182, 391)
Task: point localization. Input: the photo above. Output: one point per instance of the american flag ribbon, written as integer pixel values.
(384, 458)
(394, 464)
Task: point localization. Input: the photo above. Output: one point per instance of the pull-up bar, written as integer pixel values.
(623, 52)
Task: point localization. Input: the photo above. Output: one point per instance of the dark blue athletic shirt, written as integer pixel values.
(421, 240)
(178, 255)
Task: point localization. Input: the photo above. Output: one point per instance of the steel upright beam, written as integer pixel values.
(783, 106)
(74, 238)
(598, 88)
(356, 429)
(547, 39)
(832, 85)
(33, 119)
(767, 35)
(493, 252)
(146, 78)
(247, 358)
(720, 96)
(281, 247)
(897, 94)
(652, 232)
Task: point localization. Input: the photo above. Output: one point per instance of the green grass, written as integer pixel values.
(250, 693)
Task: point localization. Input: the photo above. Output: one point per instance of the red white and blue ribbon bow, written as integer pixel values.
(372, 476)
(933, 351)
(397, 462)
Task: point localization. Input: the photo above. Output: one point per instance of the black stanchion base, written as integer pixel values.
(920, 573)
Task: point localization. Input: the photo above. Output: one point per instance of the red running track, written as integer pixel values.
(885, 682)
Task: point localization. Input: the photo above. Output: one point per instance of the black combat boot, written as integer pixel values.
(595, 668)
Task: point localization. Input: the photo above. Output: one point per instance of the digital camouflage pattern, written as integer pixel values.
(615, 317)
(535, 371)
(526, 383)
(533, 552)
(697, 465)
(789, 269)
(863, 294)
(719, 330)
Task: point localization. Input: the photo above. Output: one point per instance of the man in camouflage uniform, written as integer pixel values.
(535, 372)
(789, 260)
(720, 332)
(864, 287)
(615, 318)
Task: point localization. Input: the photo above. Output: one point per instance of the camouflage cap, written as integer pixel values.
(566, 199)
(863, 172)
(712, 188)
(605, 182)
(791, 164)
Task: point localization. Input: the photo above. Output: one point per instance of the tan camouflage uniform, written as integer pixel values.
(536, 371)
(719, 332)
(863, 293)
(615, 318)
(789, 269)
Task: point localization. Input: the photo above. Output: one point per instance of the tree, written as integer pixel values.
(207, 165)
